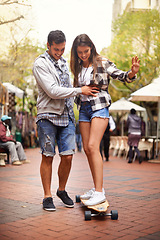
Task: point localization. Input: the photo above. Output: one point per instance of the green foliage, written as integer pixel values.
(19, 62)
(135, 33)
(17, 66)
(76, 112)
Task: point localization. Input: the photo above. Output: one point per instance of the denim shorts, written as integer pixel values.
(86, 113)
(49, 135)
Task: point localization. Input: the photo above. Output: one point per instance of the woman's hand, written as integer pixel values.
(88, 90)
(135, 67)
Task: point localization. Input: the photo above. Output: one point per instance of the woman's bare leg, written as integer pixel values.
(85, 133)
(92, 134)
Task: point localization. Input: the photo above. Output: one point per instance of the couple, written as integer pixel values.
(55, 117)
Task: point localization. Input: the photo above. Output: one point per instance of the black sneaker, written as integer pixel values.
(48, 204)
(68, 202)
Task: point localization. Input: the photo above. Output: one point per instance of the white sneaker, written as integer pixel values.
(17, 163)
(2, 163)
(88, 194)
(96, 198)
(25, 161)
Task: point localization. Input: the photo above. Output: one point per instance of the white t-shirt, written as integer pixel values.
(84, 79)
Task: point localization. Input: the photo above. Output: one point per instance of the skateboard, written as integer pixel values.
(99, 210)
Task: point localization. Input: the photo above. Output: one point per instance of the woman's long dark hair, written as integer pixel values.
(76, 62)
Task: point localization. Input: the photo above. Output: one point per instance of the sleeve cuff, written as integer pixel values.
(129, 80)
(78, 90)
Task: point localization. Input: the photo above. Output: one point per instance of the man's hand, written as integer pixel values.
(135, 67)
(88, 90)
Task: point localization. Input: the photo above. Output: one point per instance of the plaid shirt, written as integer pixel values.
(63, 73)
(105, 70)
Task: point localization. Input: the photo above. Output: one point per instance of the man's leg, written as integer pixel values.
(66, 147)
(46, 175)
(64, 171)
(20, 151)
(63, 174)
(12, 150)
(106, 146)
(46, 133)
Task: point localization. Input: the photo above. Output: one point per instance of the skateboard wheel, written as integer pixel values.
(114, 214)
(78, 200)
(87, 215)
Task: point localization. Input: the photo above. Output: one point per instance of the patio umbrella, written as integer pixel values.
(11, 88)
(150, 93)
(123, 106)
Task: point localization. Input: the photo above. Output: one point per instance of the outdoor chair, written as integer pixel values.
(144, 146)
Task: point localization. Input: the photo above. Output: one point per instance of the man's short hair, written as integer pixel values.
(56, 36)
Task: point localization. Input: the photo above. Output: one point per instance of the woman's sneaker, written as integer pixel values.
(48, 204)
(96, 198)
(88, 194)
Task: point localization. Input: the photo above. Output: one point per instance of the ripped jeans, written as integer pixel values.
(50, 135)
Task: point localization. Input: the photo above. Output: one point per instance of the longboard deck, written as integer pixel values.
(102, 207)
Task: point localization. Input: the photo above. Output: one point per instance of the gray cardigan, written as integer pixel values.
(51, 96)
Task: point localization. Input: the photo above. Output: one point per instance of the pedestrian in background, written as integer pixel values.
(105, 142)
(78, 138)
(8, 142)
(134, 134)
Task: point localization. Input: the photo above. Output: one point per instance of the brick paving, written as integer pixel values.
(132, 189)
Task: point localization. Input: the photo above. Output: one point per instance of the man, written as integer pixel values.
(55, 117)
(106, 138)
(134, 134)
(7, 141)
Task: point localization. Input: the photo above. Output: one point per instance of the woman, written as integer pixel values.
(89, 68)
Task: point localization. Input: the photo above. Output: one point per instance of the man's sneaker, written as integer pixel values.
(88, 194)
(48, 204)
(68, 202)
(17, 163)
(25, 161)
(97, 197)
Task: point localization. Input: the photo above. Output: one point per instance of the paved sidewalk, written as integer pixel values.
(132, 189)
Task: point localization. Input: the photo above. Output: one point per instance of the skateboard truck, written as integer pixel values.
(99, 210)
(113, 214)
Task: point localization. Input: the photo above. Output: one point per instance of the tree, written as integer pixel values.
(18, 51)
(135, 33)
(9, 3)
(16, 68)
(14, 23)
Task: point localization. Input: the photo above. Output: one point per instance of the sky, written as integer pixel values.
(74, 17)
